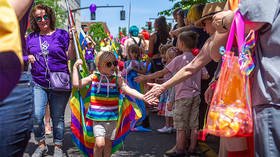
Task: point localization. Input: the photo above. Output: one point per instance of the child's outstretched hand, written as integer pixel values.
(151, 101)
(78, 62)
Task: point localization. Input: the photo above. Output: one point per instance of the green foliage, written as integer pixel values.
(61, 14)
(98, 33)
(122, 31)
(185, 4)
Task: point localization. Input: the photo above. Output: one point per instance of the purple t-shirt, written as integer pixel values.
(89, 55)
(57, 46)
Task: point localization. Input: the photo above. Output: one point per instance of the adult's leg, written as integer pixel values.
(58, 102)
(48, 128)
(40, 101)
(16, 118)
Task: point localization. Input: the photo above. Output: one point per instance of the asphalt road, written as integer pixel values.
(137, 144)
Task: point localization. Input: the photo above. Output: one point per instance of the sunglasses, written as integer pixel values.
(40, 18)
(109, 64)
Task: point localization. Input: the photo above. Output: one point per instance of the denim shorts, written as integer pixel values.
(105, 129)
(267, 130)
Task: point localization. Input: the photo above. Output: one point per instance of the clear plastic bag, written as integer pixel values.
(230, 112)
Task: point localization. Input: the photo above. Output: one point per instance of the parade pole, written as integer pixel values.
(71, 22)
(129, 12)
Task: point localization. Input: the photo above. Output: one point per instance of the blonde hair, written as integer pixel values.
(163, 48)
(195, 13)
(102, 56)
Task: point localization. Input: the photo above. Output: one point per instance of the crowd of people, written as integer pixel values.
(173, 71)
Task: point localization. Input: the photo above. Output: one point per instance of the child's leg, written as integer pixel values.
(99, 146)
(180, 140)
(167, 122)
(108, 147)
(181, 120)
(193, 141)
(99, 135)
(193, 123)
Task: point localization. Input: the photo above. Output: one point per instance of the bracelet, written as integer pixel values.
(70, 38)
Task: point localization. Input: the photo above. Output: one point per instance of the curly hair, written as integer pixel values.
(162, 29)
(49, 12)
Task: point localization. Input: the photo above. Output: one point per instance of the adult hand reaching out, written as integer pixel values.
(154, 93)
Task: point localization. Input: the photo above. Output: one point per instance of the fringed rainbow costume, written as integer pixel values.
(102, 102)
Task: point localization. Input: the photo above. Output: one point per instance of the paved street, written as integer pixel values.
(137, 144)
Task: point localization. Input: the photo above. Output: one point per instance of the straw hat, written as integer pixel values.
(209, 10)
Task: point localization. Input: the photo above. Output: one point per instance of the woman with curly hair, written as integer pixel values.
(48, 50)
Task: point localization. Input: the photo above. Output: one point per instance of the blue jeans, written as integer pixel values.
(16, 118)
(57, 101)
(267, 130)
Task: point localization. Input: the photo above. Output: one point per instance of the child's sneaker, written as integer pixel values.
(165, 129)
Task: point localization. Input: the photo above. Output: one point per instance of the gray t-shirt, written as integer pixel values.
(266, 77)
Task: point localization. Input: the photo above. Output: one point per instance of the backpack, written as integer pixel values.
(139, 43)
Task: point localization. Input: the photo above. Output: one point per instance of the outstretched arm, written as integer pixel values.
(155, 75)
(132, 92)
(186, 72)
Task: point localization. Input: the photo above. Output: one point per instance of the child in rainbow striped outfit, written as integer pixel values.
(105, 90)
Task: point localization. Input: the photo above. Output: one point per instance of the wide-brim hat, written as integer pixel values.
(209, 10)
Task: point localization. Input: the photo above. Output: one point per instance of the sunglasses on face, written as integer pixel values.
(109, 64)
(40, 18)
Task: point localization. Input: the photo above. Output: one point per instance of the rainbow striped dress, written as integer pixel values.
(104, 98)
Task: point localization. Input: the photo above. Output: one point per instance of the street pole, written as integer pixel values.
(129, 12)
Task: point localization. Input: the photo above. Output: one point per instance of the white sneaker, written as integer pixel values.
(165, 129)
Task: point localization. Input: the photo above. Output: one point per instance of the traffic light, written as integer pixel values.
(149, 25)
(122, 15)
(92, 16)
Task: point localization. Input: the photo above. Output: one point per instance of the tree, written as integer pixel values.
(124, 31)
(185, 4)
(61, 14)
(98, 33)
